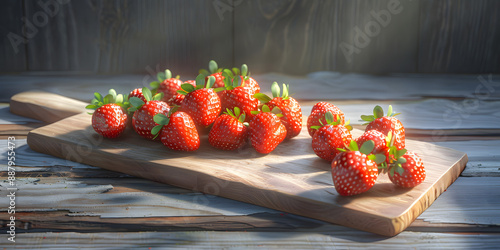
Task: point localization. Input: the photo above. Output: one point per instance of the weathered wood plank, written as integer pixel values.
(459, 37)
(12, 38)
(242, 240)
(377, 36)
(298, 37)
(130, 37)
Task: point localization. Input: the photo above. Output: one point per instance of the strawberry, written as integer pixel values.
(216, 72)
(247, 81)
(167, 85)
(406, 169)
(109, 118)
(381, 141)
(178, 98)
(318, 113)
(142, 121)
(384, 124)
(234, 95)
(229, 131)
(290, 108)
(137, 93)
(177, 131)
(266, 130)
(201, 102)
(330, 136)
(354, 171)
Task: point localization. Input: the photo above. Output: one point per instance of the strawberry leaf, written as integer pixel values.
(168, 74)
(237, 111)
(400, 170)
(262, 97)
(236, 71)
(155, 85)
(210, 82)
(212, 66)
(237, 82)
(276, 110)
(265, 108)
(136, 102)
(228, 73)
(108, 99)
(254, 112)
(182, 92)
(353, 146)
(285, 92)
(204, 72)
(367, 118)
(112, 92)
(341, 149)
(379, 158)
(91, 106)
(161, 119)
(156, 129)
(200, 80)
(219, 89)
(242, 118)
(315, 127)
(389, 111)
(161, 76)
(275, 89)
(98, 97)
(329, 117)
(187, 87)
(119, 98)
(244, 70)
(367, 147)
(399, 153)
(147, 94)
(158, 97)
(378, 112)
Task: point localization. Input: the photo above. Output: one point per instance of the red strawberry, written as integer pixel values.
(318, 113)
(137, 93)
(385, 124)
(290, 108)
(247, 81)
(177, 131)
(235, 95)
(201, 103)
(329, 137)
(380, 140)
(142, 121)
(229, 132)
(406, 169)
(266, 131)
(167, 85)
(355, 171)
(109, 118)
(178, 98)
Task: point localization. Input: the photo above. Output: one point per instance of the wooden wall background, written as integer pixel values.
(287, 36)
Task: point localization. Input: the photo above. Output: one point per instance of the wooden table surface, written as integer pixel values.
(63, 204)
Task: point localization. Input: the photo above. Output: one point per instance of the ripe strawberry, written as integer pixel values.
(330, 137)
(142, 121)
(178, 98)
(355, 171)
(318, 113)
(167, 85)
(290, 108)
(406, 169)
(234, 95)
(137, 93)
(201, 103)
(385, 124)
(381, 141)
(247, 81)
(177, 131)
(266, 130)
(109, 118)
(229, 131)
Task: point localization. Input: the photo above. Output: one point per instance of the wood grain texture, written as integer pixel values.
(459, 36)
(131, 37)
(290, 179)
(298, 37)
(45, 106)
(12, 37)
(349, 239)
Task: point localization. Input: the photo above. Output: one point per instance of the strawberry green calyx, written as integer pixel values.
(212, 68)
(334, 121)
(394, 161)
(161, 76)
(265, 108)
(200, 84)
(276, 91)
(111, 97)
(378, 112)
(366, 149)
(237, 114)
(137, 103)
(162, 120)
(230, 82)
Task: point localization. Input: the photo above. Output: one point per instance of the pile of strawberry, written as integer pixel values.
(356, 163)
(225, 103)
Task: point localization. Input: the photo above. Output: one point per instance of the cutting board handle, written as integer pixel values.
(45, 106)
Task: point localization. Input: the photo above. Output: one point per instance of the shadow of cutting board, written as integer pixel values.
(291, 178)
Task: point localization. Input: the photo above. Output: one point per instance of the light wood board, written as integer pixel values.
(290, 179)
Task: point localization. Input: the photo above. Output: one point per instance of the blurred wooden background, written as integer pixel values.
(288, 36)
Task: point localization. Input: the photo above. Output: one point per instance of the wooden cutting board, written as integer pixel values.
(290, 179)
